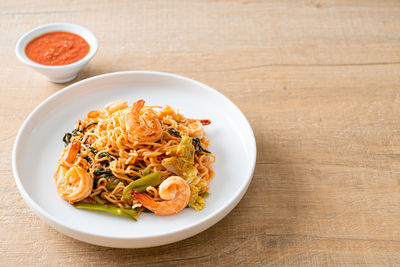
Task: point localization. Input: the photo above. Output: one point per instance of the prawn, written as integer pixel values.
(142, 125)
(108, 109)
(175, 193)
(115, 106)
(73, 182)
(196, 127)
(203, 122)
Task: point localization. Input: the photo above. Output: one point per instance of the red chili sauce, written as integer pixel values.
(57, 48)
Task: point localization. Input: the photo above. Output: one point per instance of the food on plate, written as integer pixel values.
(127, 160)
(57, 48)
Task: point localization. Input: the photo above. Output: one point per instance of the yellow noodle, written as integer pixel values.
(116, 152)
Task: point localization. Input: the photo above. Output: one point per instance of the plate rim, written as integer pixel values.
(202, 223)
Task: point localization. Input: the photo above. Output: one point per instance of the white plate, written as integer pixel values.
(38, 146)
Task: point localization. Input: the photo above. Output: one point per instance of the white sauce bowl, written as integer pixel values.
(59, 73)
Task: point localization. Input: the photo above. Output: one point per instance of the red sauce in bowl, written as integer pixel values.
(57, 48)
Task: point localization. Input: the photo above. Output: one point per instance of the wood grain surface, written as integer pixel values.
(319, 82)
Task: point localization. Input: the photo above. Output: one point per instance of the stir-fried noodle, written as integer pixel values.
(126, 160)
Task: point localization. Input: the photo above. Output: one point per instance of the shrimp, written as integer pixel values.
(115, 106)
(73, 182)
(108, 109)
(142, 125)
(176, 194)
(196, 129)
(203, 122)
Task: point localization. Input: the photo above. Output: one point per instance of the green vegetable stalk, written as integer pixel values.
(99, 200)
(131, 214)
(141, 184)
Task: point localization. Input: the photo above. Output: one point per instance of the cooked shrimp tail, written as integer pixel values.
(115, 106)
(175, 193)
(137, 106)
(203, 122)
(142, 124)
(72, 151)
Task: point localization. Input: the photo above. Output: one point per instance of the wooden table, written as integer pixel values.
(319, 82)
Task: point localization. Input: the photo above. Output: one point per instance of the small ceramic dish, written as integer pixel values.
(59, 73)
